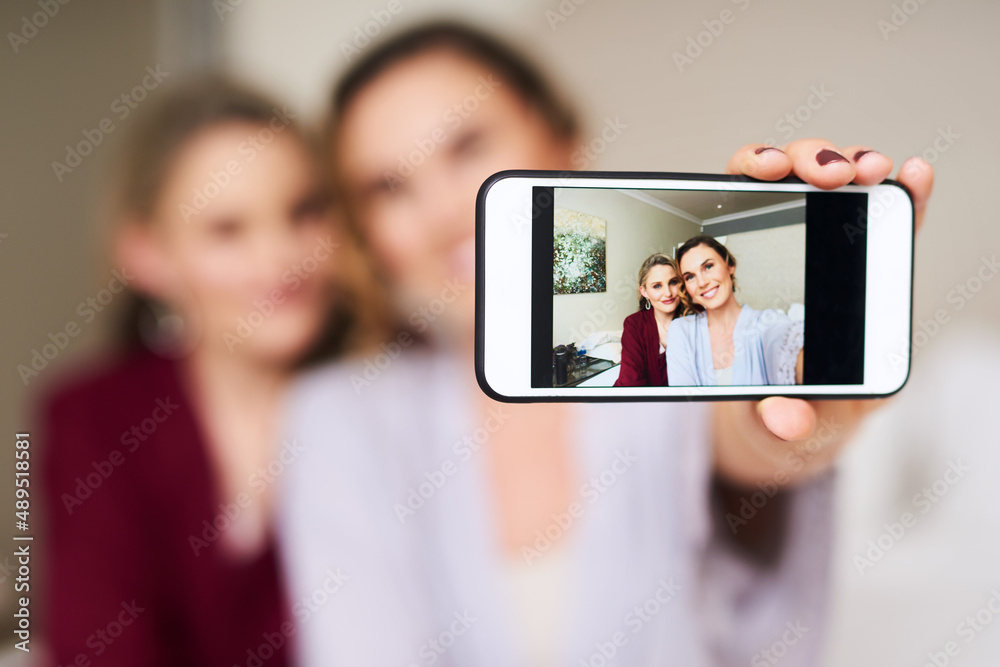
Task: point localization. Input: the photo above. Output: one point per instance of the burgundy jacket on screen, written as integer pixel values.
(642, 364)
(133, 576)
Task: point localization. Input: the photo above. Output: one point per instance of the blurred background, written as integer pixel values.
(687, 84)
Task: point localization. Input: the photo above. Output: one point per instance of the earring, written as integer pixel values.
(648, 306)
(163, 331)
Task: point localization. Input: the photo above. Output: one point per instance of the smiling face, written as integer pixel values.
(662, 288)
(413, 147)
(707, 277)
(254, 250)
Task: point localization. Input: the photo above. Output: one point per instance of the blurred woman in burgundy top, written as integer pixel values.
(159, 467)
(644, 336)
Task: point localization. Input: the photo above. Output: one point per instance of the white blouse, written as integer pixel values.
(390, 498)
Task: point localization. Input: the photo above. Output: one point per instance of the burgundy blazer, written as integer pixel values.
(130, 492)
(642, 364)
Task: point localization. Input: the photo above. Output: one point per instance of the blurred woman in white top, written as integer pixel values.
(426, 524)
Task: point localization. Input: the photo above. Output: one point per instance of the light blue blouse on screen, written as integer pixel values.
(766, 344)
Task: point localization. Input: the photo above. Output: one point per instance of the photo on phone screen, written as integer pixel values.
(778, 264)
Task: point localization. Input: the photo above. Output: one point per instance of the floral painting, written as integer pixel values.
(579, 254)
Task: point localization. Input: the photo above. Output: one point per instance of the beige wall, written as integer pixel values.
(59, 84)
(900, 92)
(635, 230)
(62, 83)
(770, 266)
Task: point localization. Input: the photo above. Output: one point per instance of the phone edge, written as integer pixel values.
(480, 314)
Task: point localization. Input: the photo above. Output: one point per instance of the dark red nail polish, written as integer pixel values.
(826, 156)
(858, 155)
(766, 148)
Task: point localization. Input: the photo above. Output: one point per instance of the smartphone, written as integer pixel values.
(781, 288)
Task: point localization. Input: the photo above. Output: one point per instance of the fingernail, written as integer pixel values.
(826, 156)
(767, 148)
(857, 156)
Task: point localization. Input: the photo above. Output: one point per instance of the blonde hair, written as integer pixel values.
(661, 259)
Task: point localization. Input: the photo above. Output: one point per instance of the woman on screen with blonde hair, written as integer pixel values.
(644, 334)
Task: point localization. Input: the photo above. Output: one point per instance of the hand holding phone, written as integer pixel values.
(753, 439)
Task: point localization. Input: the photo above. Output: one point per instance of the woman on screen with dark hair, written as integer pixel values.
(448, 527)
(160, 464)
(724, 343)
(644, 336)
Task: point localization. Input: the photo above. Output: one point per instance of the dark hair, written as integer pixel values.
(713, 243)
(504, 61)
(507, 64)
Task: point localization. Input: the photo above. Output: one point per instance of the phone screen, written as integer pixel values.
(796, 267)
